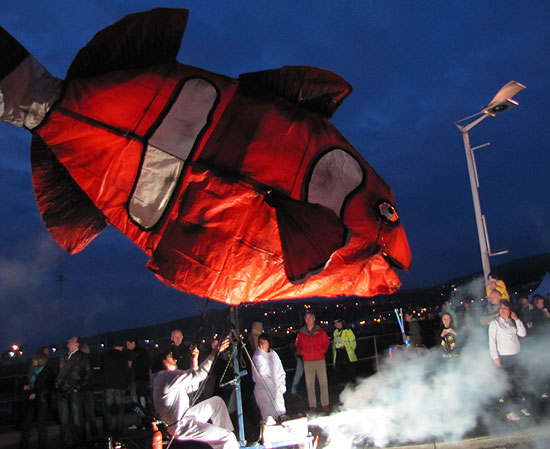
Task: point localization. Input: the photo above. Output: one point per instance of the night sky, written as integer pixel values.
(416, 67)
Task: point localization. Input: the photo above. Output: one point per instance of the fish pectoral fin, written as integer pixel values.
(69, 215)
(309, 233)
(315, 89)
(138, 40)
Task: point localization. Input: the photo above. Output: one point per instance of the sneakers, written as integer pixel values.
(525, 412)
(545, 395)
(133, 427)
(512, 417)
(501, 400)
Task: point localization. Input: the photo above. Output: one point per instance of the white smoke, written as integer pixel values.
(418, 396)
(472, 290)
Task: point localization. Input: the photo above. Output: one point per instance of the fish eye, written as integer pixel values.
(388, 213)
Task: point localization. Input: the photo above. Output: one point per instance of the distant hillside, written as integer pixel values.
(520, 275)
(518, 271)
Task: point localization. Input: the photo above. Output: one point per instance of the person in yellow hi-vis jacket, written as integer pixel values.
(343, 352)
(494, 283)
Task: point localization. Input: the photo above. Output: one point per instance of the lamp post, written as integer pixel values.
(501, 102)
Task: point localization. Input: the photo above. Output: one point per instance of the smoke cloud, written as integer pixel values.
(420, 395)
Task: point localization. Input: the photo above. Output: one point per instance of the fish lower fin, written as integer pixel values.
(69, 215)
(309, 234)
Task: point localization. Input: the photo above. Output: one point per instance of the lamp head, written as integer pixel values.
(502, 101)
(500, 107)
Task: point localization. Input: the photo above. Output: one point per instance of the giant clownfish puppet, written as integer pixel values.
(238, 189)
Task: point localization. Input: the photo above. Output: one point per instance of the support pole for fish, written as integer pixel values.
(234, 311)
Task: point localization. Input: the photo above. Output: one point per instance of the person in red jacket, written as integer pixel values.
(312, 343)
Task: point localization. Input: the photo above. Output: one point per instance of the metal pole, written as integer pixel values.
(234, 310)
(376, 354)
(238, 394)
(482, 236)
(477, 207)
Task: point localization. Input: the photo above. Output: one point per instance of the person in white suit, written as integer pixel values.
(171, 388)
(270, 379)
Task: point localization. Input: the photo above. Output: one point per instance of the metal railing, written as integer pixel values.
(371, 349)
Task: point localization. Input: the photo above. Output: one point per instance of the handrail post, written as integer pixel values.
(376, 353)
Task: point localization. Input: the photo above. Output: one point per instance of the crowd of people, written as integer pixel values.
(64, 387)
(175, 386)
(510, 325)
(178, 389)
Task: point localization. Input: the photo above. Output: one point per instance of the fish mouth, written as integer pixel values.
(397, 251)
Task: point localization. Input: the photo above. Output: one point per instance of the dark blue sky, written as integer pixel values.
(416, 67)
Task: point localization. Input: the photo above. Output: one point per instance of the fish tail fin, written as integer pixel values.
(27, 89)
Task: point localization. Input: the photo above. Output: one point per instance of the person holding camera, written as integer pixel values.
(171, 389)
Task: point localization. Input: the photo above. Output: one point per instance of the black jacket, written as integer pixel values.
(43, 384)
(116, 372)
(140, 364)
(182, 356)
(74, 373)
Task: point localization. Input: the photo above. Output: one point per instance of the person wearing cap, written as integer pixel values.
(116, 377)
(343, 351)
(494, 283)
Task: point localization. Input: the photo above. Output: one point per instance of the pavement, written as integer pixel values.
(528, 433)
(533, 437)
(528, 436)
(135, 439)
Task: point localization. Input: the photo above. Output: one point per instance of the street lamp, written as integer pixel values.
(501, 102)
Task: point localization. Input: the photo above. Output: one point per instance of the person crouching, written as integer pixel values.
(171, 387)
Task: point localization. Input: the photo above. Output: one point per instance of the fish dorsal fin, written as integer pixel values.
(138, 40)
(315, 89)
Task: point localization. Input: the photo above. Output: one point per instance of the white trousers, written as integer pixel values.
(195, 426)
(270, 404)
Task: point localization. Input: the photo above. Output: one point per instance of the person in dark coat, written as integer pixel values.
(413, 330)
(140, 377)
(74, 374)
(88, 401)
(40, 384)
(116, 376)
(140, 369)
(180, 351)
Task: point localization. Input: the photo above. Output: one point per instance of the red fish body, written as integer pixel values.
(238, 189)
